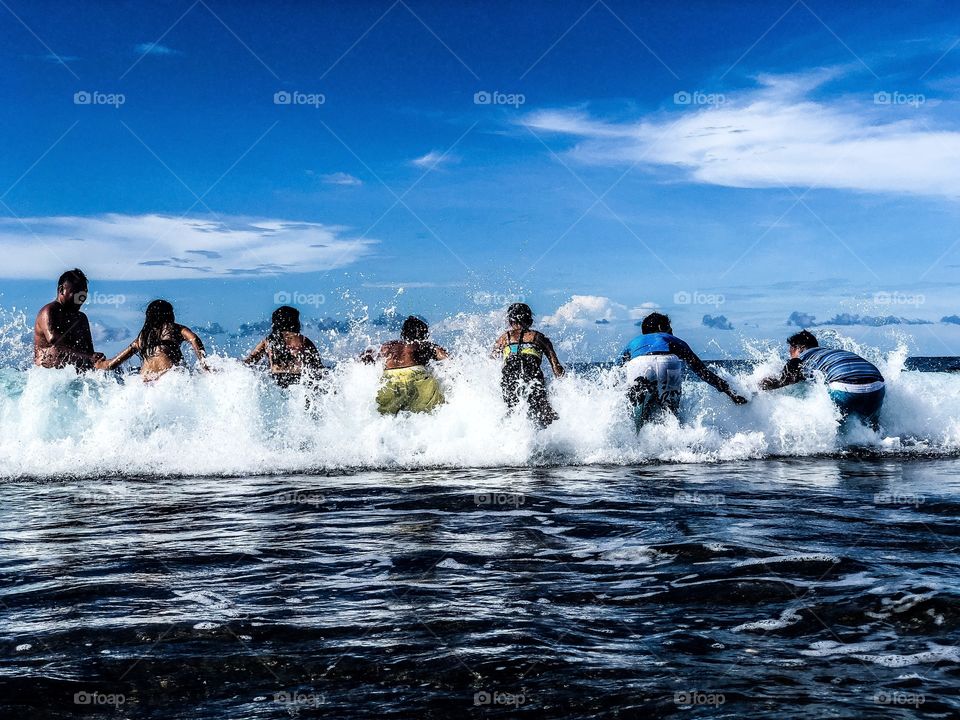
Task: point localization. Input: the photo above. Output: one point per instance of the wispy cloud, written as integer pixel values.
(341, 178)
(147, 247)
(155, 49)
(777, 134)
(433, 159)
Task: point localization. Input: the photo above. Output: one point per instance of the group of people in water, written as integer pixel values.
(654, 361)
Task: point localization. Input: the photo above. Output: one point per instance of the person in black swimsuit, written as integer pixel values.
(289, 353)
(522, 349)
(158, 343)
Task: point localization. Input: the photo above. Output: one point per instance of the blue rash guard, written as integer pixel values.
(654, 363)
(655, 344)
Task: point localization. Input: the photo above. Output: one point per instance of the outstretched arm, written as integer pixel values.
(498, 346)
(124, 355)
(551, 354)
(792, 373)
(191, 337)
(257, 354)
(706, 374)
(310, 356)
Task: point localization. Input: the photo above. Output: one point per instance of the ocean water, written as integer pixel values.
(208, 546)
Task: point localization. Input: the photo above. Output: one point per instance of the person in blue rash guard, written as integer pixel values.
(854, 384)
(654, 364)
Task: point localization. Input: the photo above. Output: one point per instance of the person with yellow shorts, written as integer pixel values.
(408, 385)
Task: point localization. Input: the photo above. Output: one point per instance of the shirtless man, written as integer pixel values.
(61, 333)
(407, 384)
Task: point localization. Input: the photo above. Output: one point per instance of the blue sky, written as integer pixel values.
(747, 162)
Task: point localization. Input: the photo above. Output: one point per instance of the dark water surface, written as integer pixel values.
(777, 588)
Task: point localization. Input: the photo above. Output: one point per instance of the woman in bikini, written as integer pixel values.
(158, 344)
(523, 349)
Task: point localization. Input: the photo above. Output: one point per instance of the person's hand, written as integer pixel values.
(98, 357)
(738, 399)
(101, 363)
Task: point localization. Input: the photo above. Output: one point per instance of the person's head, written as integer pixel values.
(520, 315)
(72, 287)
(285, 319)
(656, 323)
(158, 316)
(414, 330)
(803, 340)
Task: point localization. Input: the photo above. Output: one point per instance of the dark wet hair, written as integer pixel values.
(520, 314)
(414, 329)
(655, 323)
(159, 316)
(75, 277)
(803, 339)
(284, 319)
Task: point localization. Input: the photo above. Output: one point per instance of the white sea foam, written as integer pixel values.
(235, 421)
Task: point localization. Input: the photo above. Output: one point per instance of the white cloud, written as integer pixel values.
(776, 135)
(586, 310)
(161, 247)
(433, 159)
(341, 178)
(155, 49)
(642, 310)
